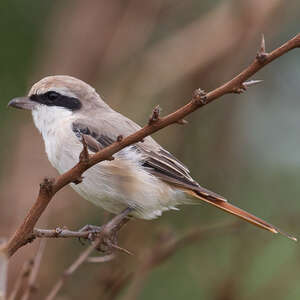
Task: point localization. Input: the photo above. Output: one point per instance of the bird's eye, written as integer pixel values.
(52, 96)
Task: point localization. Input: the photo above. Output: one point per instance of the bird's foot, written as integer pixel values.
(93, 232)
(110, 242)
(109, 239)
(110, 232)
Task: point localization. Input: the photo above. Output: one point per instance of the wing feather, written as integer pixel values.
(156, 160)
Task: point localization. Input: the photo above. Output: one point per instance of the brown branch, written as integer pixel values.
(49, 188)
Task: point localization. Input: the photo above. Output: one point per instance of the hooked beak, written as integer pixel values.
(22, 103)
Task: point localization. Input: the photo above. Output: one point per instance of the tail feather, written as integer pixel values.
(226, 206)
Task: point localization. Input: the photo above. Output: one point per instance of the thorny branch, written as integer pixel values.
(50, 187)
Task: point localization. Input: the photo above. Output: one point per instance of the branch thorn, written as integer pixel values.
(262, 55)
(243, 87)
(47, 185)
(84, 155)
(58, 231)
(116, 247)
(155, 115)
(249, 83)
(182, 122)
(199, 96)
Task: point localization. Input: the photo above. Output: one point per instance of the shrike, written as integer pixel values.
(144, 176)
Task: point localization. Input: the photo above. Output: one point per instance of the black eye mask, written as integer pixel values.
(53, 98)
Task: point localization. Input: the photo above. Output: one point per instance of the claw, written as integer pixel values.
(91, 228)
(93, 231)
(114, 246)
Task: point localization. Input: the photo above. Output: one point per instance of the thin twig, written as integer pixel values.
(101, 259)
(47, 190)
(82, 257)
(60, 233)
(31, 286)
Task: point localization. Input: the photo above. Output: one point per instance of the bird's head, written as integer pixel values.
(57, 97)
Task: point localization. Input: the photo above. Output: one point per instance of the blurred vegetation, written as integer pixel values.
(245, 147)
(21, 25)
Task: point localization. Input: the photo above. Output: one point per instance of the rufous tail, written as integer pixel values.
(226, 206)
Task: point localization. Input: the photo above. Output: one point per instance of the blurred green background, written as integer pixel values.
(246, 147)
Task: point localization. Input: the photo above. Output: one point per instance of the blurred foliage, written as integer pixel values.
(245, 147)
(21, 24)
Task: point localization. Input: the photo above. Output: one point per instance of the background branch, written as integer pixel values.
(21, 279)
(165, 248)
(115, 224)
(31, 284)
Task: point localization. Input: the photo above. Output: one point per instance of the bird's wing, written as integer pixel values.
(155, 159)
(94, 140)
(166, 167)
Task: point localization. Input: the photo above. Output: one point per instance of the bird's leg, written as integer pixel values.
(111, 229)
(90, 228)
(93, 229)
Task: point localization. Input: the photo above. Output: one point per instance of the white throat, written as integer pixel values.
(48, 119)
(54, 123)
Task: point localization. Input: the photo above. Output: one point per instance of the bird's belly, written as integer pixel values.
(121, 183)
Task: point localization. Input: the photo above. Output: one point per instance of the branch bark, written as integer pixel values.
(50, 187)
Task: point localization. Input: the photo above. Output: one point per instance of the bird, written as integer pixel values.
(143, 177)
